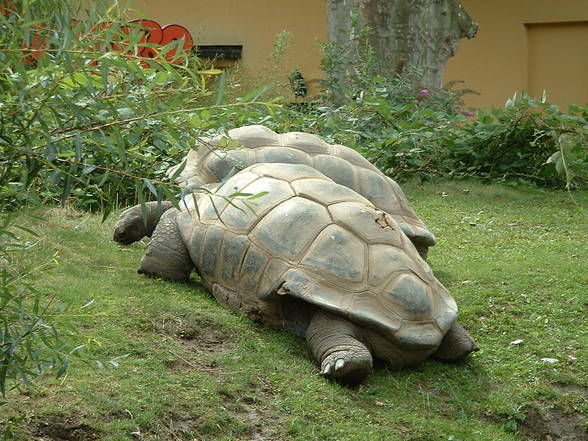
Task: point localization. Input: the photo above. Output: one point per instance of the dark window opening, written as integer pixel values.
(224, 52)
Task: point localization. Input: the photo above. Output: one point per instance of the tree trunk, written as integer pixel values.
(413, 37)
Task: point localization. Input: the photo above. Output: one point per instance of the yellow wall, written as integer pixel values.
(254, 24)
(524, 45)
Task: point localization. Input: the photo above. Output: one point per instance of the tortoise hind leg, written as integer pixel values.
(132, 227)
(334, 344)
(456, 344)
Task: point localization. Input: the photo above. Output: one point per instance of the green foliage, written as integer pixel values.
(422, 133)
(425, 133)
(529, 140)
(84, 121)
(79, 121)
(28, 342)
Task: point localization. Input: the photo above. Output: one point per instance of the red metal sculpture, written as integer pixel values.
(152, 37)
(154, 34)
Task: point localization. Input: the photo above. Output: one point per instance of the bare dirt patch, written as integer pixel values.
(552, 425)
(194, 331)
(204, 341)
(572, 389)
(259, 418)
(64, 429)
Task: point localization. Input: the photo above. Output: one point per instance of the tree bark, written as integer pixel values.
(413, 37)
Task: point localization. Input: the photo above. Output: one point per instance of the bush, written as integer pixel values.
(85, 120)
(529, 140)
(82, 120)
(421, 133)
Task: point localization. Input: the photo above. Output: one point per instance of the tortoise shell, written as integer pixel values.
(342, 164)
(319, 242)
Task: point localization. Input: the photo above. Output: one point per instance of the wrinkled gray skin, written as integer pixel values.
(343, 349)
(136, 223)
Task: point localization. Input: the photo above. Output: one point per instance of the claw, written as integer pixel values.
(326, 369)
(339, 364)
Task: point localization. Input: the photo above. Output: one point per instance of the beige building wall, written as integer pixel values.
(255, 24)
(524, 45)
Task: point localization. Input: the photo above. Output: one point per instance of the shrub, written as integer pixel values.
(84, 119)
(421, 133)
(529, 140)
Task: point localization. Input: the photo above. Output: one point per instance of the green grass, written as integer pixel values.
(514, 259)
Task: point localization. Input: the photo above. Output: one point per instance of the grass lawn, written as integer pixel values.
(514, 259)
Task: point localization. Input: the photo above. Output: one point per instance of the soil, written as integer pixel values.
(262, 419)
(251, 407)
(202, 336)
(552, 425)
(64, 429)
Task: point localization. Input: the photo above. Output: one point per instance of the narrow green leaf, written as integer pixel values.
(63, 368)
(178, 171)
(77, 348)
(220, 89)
(151, 188)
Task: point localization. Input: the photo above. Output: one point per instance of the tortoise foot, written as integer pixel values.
(349, 366)
(336, 347)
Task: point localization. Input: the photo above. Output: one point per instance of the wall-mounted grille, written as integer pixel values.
(223, 52)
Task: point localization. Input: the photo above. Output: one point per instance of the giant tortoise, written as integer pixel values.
(317, 259)
(210, 163)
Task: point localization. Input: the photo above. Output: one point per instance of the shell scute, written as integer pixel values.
(237, 217)
(288, 229)
(241, 158)
(339, 170)
(370, 224)
(254, 136)
(445, 319)
(218, 165)
(273, 274)
(284, 155)
(337, 255)
(288, 174)
(367, 308)
(211, 205)
(418, 336)
(410, 296)
(211, 246)
(385, 261)
(330, 298)
(326, 192)
(194, 240)
(353, 156)
(374, 188)
(233, 251)
(311, 144)
(254, 264)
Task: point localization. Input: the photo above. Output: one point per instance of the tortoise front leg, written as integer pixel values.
(167, 256)
(335, 346)
(132, 227)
